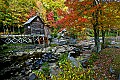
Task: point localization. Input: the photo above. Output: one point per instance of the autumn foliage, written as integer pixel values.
(31, 13)
(73, 17)
(50, 16)
(80, 12)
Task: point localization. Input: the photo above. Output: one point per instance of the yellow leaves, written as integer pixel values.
(117, 16)
(83, 29)
(65, 9)
(38, 4)
(60, 66)
(88, 71)
(81, 76)
(41, 9)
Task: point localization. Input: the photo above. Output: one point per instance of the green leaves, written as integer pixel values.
(13, 11)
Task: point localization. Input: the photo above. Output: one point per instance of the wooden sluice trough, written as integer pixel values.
(21, 38)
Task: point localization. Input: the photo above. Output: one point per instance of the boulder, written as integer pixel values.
(84, 63)
(73, 60)
(32, 76)
(62, 42)
(60, 50)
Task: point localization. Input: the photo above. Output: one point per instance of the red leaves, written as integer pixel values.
(50, 16)
(72, 17)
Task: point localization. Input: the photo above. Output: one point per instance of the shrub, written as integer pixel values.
(68, 71)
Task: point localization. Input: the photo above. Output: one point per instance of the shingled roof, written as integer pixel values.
(31, 19)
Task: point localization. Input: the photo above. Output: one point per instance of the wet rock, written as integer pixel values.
(37, 63)
(62, 42)
(55, 57)
(28, 62)
(112, 42)
(4, 64)
(77, 51)
(30, 66)
(109, 46)
(38, 54)
(23, 71)
(28, 72)
(73, 54)
(73, 60)
(31, 52)
(13, 57)
(86, 55)
(16, 73)
(54, 69)
(70, 48)
(30, 47)
(117, 47)
(49, 55)
(86, 47)
(47, 49)
(32, 76)
(7, 72)
(52, 60)
(72, 41)
(84, 63)
(60, 49)
(45, 59)
(21, 53)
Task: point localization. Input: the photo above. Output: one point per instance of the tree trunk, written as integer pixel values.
(103, 39)
(95, 27)
(96, 31)
(96, 38)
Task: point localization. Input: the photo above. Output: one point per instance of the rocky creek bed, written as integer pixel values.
(20, 65)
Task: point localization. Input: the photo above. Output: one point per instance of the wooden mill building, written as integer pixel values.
(38, 29)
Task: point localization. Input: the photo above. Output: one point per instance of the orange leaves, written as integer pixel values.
(84, 20)
(92, 10)
(86, 3)
(80, 19)
(61, 13)
(89, 2)
(85, 12)
(31, 13)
